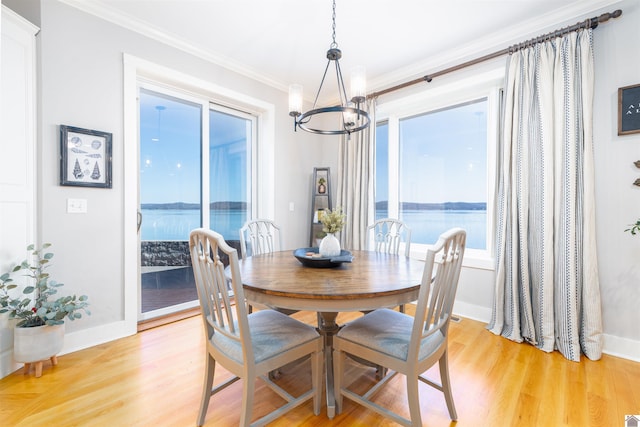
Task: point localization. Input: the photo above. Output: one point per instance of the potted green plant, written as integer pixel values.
(39, 330)
(634, 228)
(332, 222)
(321, 185)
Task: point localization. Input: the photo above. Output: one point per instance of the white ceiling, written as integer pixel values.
(281, 42)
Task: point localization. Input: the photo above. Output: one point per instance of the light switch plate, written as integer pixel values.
(76, 205)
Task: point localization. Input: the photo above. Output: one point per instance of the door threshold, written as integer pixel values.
(143, 325)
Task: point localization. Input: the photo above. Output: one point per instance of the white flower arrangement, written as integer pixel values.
(333, 220)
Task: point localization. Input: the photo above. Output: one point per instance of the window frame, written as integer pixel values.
(486, 85)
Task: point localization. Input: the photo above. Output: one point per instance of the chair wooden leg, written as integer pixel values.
(414, 400)
(248, 390)
(27, 368)
(338, 372)
(54, 360)
(316, 381)
(446, 386)
(210, 369)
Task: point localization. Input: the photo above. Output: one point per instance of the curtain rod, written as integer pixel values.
(587, 23)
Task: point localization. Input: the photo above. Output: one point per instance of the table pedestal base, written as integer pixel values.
(328, 328)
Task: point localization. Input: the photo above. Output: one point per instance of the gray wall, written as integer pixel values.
(81, 84)
(617, 55)
(80, 65)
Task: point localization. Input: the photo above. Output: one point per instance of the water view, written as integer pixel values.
(176, 224)
(426, 224)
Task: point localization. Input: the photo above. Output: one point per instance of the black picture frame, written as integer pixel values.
(629, 110)
(85, 157)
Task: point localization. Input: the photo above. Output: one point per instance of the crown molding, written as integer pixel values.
(516, 33)
(496, 41)
(109, 14)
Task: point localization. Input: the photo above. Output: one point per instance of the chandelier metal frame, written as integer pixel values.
(353, 117)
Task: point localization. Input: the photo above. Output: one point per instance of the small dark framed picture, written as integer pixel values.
(85, 157)
(629, 110)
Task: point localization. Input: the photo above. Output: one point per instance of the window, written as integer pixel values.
(230, 134)
(172, 169)
(435, 166)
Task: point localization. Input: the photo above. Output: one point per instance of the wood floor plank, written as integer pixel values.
(154, 378)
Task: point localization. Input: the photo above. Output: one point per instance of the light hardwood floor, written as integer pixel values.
(155, 377)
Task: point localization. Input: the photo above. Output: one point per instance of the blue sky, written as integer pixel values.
(447, 147)
(170, 135)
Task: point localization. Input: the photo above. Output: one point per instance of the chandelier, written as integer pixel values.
(349, 116)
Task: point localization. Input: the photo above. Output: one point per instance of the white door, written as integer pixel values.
(17, 158)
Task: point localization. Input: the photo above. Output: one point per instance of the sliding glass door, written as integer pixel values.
(195, 171)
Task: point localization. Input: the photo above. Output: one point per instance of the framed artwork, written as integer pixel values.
(629, 110)
(85, 157)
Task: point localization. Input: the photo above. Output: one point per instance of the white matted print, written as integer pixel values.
(85, 157)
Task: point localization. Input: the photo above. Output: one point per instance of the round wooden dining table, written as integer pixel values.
(372, 280)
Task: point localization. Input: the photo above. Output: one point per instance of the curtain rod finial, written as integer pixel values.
(606, 16)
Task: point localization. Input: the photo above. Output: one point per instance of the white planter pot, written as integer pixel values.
(37, 343)
(329, 246)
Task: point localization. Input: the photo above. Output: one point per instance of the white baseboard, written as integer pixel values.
(622, 347)
(472, 311)
(7, 365)
(613, 346)
(86, 338)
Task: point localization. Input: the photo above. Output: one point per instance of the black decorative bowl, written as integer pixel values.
(309, 257)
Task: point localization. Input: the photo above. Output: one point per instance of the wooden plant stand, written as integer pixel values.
(38, 366)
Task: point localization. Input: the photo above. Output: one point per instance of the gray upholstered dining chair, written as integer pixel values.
(260, 236)
(385, 235)
(247, 345)
(405, 344)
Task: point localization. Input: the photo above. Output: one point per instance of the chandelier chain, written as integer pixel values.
(333, 27)
(352, 117)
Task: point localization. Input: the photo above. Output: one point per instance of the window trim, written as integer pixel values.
(485, 85)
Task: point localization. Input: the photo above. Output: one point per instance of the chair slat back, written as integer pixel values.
(439, 285)
(259, 236)
(388, 233)
(215, 291)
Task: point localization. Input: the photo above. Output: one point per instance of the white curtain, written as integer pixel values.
(547, 291)
(355, 182)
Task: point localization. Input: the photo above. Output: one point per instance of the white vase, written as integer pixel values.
(37, 343)
(329, 246)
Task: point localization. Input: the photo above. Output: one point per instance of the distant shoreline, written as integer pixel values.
(445, 206)
(241, 206)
